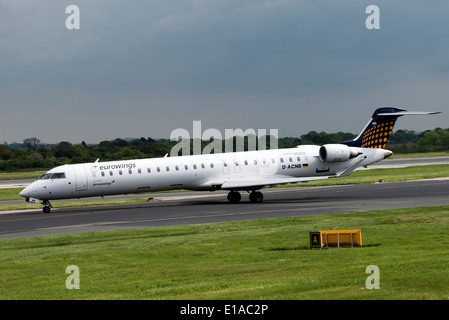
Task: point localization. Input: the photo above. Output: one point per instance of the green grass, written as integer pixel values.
(10, 194)
(259, 259)
(21, 175)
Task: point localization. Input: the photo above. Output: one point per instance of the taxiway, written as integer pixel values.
(201, 208)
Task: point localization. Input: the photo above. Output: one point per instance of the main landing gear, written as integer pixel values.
(254, 196)
(47, 206)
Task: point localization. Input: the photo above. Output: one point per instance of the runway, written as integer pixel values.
(201, 208)
(409, 162)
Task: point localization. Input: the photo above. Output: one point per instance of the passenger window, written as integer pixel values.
(102, 173)
(264, 161)
(290, 158)
(186, 167)
(177, 168)
(130, 171)
(139, 171)
(110, 173)
(282, 160)
(167, 169)
(194, 166)
(225, 164)
(298, 158)
(255, 162)
(158, 169)
(236, 164)
(120, 172)
(272, 160)
(246, 162)
(148, 170)
(211, 165)
(202, 165)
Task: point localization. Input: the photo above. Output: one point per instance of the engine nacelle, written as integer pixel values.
(338, 153)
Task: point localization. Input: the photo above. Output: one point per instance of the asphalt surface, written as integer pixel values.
(410, 162)
(200, 208)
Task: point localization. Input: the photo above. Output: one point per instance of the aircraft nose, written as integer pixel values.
(25, 193)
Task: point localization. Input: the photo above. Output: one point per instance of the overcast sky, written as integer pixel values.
(142, 68)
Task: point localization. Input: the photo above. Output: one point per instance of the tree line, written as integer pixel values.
(33, 154)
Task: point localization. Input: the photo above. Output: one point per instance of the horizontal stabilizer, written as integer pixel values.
(408, 113)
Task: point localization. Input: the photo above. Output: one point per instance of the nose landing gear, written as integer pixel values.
(47, 206)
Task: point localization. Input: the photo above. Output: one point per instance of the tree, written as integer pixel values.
(60, 148)
(435, 140)
(6, 153)
(31, 143)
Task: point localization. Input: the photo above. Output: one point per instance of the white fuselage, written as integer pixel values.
(197, 172)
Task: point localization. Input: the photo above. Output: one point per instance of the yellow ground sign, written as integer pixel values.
(335, 238)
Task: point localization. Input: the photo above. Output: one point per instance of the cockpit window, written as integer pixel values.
(45, 176)
(59, 175)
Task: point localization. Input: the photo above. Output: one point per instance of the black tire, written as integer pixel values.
(234, 197)
(46, 209)
(256, 196)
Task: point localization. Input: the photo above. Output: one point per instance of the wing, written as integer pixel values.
(260, 182)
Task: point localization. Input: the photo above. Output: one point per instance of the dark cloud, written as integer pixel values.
(147, 67)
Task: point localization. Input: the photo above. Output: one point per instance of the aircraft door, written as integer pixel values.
(236, 166)
(80, 177)
(225, 167)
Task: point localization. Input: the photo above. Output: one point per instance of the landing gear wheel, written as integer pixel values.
(234, 197)
(256, 196)
(47, 206)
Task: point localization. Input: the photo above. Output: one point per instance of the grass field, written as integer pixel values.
(260, 259)
(21, 175)
(265, 259)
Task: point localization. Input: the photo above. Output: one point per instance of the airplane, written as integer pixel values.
(249, 171)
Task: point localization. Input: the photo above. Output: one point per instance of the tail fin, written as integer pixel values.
(378, 130)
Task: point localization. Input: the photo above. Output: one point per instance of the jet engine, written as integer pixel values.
(338, 152)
